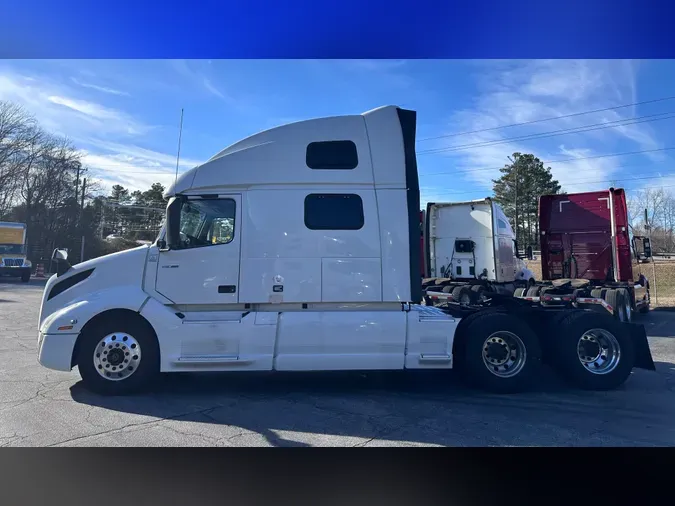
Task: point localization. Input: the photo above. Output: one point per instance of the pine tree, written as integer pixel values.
(532, 181)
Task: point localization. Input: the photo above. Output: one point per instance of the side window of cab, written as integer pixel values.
(207, 222)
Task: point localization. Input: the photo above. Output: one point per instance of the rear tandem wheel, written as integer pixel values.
(592, 350)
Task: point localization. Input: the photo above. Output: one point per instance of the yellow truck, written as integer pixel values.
(13, 261)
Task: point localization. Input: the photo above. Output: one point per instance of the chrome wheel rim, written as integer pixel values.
(504, 354)
(599, 351)
(117, 356)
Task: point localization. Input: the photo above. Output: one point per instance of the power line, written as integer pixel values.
(627, 153)
(547, 119)
(575, 183)
(555, 133)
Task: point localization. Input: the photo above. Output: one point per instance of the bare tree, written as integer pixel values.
(17, 132)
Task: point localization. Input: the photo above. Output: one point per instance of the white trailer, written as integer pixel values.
(470, 248)
(297, 249)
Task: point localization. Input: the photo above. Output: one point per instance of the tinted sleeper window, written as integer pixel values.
(333, 211)
(335, 155)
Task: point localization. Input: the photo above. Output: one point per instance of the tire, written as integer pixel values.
(463, 292)
(25, 276)
(486, 330)
(581, 372)
(627, 305)
(478, 291)
(644, 309)
(614, 299)
(533, 291)
(596, 293)
(447, 288)
(520, 292)
(146, 366)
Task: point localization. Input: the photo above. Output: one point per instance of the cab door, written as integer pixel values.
(204, 268)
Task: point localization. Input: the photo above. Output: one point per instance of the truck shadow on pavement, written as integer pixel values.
(392, 408)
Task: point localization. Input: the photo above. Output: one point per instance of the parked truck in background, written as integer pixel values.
(586, 254)
(298, 249)
(470, 248)
(13, 261)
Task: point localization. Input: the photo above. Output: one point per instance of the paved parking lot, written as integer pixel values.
(39, 407)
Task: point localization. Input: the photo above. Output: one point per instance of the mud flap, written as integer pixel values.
(643, 355)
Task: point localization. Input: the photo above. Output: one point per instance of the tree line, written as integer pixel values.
(660, 217)
(44, 184)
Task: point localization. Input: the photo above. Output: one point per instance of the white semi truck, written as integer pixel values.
(297, 249)
(470, 249)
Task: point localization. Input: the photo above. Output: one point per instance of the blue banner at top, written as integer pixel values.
(344, 29)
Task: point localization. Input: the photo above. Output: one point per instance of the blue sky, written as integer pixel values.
(124, 114)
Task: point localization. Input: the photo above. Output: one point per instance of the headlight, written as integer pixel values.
(27, 263)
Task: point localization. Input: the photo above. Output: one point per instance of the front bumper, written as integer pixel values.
(55, 351)
(13, 271)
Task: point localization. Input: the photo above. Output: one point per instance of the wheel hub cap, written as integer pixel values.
(117, 356)
(599, 351)
(504, 354)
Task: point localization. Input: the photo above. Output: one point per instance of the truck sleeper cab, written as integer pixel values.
(296, 249)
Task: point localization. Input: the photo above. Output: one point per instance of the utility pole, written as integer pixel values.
(84, 188)
(649, 231)
(515, 204)
(77, 179)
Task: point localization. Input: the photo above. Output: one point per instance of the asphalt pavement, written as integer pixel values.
(39, 407)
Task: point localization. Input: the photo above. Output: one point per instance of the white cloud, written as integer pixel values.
(56, 109)
(209, 86)
(102, 89)
(517, 92)
(131, 166)
(88, 108)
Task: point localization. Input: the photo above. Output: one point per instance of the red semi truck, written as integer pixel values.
(586, 254)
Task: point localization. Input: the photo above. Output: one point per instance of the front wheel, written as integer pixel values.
(499, 353)
(593, 351)
(118, 357)
(25, 276)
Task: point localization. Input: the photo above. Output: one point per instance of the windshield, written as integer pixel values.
(13, 249)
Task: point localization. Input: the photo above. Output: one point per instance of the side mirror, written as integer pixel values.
(173, 222)
(530, 253)
(60, 256)
(161, 244)
(647, 247)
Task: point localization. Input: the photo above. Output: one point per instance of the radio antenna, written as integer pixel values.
(180, 136)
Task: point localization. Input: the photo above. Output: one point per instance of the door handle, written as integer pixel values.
(170, 266)
(227, 289)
